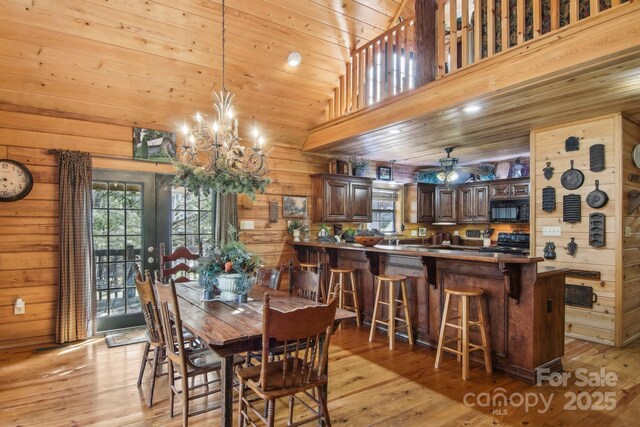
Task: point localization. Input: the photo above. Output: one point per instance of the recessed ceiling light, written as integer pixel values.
(394, 131)
(294, 59)
(473, 108)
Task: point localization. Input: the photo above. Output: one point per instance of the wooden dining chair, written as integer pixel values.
(185, 363)
(270, 277)
(181, 269)
(303, 371)
(305, 284)
(154, 353)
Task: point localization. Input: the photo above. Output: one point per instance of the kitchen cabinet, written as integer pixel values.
(509, 189)
(473, 203)
(419, 203)
(341, 198)
(446, 207)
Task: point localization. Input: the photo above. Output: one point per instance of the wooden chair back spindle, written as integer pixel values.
(149, 306)
(171, 323)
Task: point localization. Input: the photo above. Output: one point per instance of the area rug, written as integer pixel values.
(125, 337)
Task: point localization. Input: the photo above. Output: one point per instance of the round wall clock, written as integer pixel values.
(635, 154)
(16, 180)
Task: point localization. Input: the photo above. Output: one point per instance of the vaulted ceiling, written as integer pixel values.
(154, 63)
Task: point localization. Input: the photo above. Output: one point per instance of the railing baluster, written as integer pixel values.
(341, 97)
(440, 38)
(594, 7)
(555, 14)
(411, 64)
(367, 77)
(389, 66)
(491, 27)
(336, 102)
(574, 13)
(520, 21)
(362, 77)
(453, 36)
(347, 89)
(615, 3)
(537, 18)
(505, 24)
(405, 57)
(477, 31)
(396, 62)
(465, 33)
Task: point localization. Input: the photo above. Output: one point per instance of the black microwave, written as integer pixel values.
(509, 210)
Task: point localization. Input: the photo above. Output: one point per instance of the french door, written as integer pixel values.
(124, 235)
(132, 213)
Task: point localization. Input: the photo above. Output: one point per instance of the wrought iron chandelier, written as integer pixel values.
(211, 156)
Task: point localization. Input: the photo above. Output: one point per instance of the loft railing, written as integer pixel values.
(386, 66)
(380, 69)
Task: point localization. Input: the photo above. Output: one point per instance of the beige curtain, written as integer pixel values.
(226, 214)
(76, 308)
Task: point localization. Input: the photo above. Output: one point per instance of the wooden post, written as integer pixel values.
(425, 31)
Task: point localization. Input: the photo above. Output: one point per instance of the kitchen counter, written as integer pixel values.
(524, 302)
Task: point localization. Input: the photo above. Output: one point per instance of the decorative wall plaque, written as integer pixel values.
(579, 296)
(597, 229)
(572, 247)
(273, 211)
(550, 250)
(571, 209)
(596, 158)
(548, 171)
(572, 143)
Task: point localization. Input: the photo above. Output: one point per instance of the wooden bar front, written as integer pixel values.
(524, 302)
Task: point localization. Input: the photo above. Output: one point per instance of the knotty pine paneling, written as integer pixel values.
(30, 227)
(630, 245)
(548, 145)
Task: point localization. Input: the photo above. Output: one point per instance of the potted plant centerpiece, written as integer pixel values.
(230, 268)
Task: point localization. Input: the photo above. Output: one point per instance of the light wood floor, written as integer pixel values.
(90, 384)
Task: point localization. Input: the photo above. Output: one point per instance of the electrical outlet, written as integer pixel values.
(19, 308)
(627, 232)
(414, 233)
(552, 231)
(246, 225)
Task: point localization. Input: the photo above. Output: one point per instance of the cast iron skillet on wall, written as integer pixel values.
(572, 179)
(597, 198)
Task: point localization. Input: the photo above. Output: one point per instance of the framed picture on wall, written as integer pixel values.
(294, 206)
(154, 145)
(384, 173)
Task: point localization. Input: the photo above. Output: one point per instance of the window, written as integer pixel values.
(384, 209)
(191, 219)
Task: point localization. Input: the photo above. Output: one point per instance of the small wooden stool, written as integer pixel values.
(341, 274)
(462, 339)
(391, 321)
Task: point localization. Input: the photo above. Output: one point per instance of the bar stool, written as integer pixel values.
(464, 347)
(341, 274)
(393, 307)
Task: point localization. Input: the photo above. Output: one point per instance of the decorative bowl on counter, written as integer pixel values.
(368, 240)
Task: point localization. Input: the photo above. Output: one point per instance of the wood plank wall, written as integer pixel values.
(30, 227)
(599, 323)
(630, 298)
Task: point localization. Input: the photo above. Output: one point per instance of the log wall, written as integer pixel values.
(548, 145)
(30, 227)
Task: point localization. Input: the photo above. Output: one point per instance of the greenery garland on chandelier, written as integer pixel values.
(197, 180)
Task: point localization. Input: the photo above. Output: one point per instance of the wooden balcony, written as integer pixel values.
(563, 66)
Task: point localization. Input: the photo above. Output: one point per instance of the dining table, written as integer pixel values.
(230, 327)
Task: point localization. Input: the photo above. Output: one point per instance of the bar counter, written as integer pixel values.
(524, 301)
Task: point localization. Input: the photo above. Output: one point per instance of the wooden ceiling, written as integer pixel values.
(154, 63)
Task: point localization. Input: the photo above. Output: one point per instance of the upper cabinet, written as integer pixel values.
(446, 207)
(419, 203)
(473, 203)
(341, 198)
(509, 189)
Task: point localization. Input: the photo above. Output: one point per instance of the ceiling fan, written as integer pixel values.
(449, 171)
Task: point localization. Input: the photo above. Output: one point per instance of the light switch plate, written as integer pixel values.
(627, 232)
(414, 233)
(246, 225)
(552, 231)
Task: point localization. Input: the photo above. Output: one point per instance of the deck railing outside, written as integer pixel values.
(386, 66)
